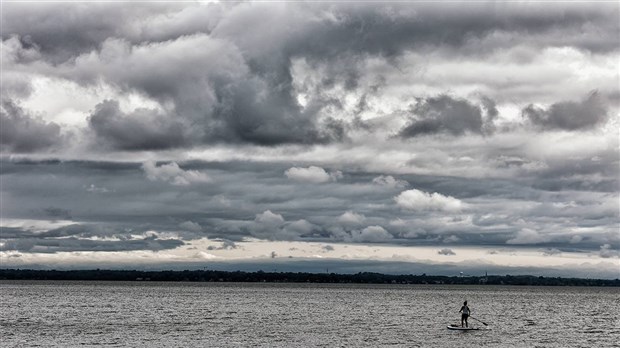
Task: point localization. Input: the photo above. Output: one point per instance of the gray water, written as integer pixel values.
(145, 314)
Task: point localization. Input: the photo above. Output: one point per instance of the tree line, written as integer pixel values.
(292, 277)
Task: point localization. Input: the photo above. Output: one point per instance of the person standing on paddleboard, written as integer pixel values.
(465, 314)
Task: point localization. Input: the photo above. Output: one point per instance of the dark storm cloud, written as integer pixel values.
(444, 114)
(388, 29)
(16, 85)
(63, 30)
(235, 85)
(78, 231)
(67, 29)
(143, 129)
(491, 114)
(23, 133)
(58, 213)
(209, 87)
(84, 237)
(73, 244)
(569, 115)
(249, 116)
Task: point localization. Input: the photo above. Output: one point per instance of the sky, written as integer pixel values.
(397, 137)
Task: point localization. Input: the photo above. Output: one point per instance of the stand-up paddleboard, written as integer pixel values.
(461, 328)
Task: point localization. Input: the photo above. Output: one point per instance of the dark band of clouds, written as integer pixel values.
(569, 115)
(22, 133)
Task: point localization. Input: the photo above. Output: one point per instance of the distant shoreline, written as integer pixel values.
(295, 277)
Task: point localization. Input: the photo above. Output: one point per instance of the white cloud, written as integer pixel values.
(527, 236)
(312, 174)
(371, 234)
(173, 174)
(351, 218)
(269, 225)
(420, 200)
(204, 255)
(389, 181)
(269, 219)
(300, 227)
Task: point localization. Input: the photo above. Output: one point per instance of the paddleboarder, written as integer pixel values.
(465, 314)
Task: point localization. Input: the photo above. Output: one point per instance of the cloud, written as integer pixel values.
(231, 86)
(58, 213)
(306, 212)
(299, 227)
(272, 226)
(350, 218)
(327, 248)
(446, 251)
(422, 201)
(528, 236)
(390, 28)
(451, 239)
(551, 252)
(389, 181)
(569, 115)
(142, 129)
(336, 175)
(74, 29)
(190, 226)
(210, 94)
(173, 174)
(371, 234)
(312, 174)
(226, 245)
(444, 114)
(78, 243)
(269, 219)
(16, 49)
(607, 251)
(95, 189)
(23, 133)
(204, 255)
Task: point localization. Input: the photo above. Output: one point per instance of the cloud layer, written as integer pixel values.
(323, 71)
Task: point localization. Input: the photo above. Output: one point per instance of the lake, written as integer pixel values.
(149, 314)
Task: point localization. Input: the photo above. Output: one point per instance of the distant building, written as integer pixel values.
(484, 280)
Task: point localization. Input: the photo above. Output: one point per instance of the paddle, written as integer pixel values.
(485, 324)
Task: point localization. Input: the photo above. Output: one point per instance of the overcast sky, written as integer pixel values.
(393, 137)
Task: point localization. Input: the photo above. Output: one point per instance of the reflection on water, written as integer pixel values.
(141, 314)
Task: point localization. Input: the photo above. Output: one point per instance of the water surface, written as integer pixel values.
(148, 314)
